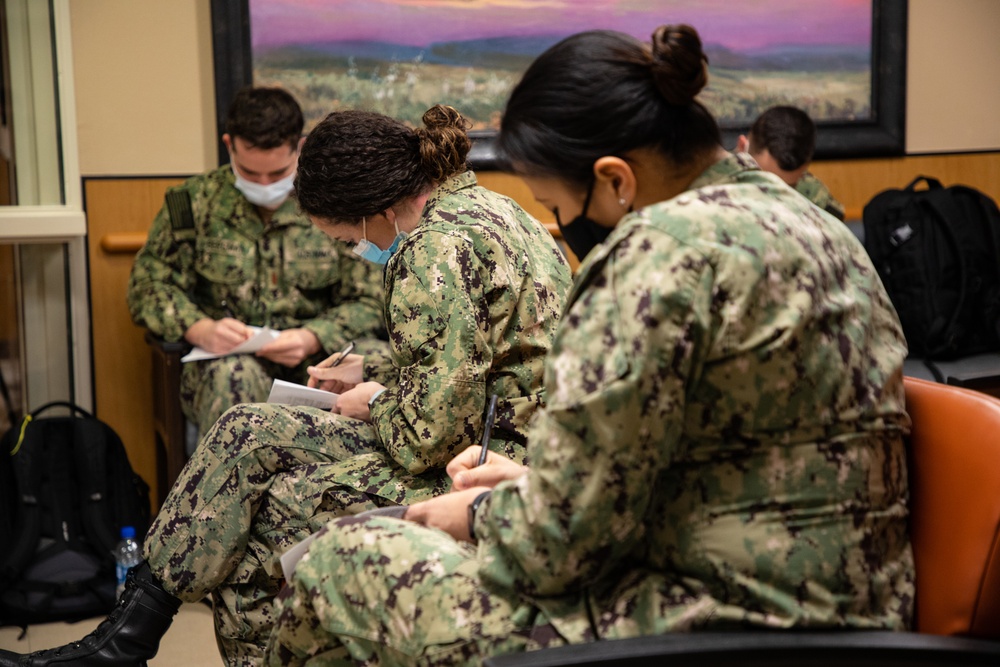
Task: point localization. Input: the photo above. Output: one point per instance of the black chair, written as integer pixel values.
(763, 649)
(169, 423)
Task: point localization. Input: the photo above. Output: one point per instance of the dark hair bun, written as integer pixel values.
(680, 67)
(444, 142)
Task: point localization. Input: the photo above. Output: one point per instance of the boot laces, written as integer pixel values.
(97, 633)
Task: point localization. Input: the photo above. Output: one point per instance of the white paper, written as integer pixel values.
(261, 336)
(289, 393)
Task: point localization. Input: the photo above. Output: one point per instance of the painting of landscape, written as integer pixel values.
(400, 57)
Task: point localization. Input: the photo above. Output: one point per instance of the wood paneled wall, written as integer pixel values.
(119, 212)
(855, 182)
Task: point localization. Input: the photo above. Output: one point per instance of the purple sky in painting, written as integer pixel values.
(421, 22)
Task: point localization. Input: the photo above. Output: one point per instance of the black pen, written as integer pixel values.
(343, 353)
(491, 414)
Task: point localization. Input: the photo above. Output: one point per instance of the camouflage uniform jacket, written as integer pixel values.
(813, 189)
(722, 442)
(472, 299)
(285, 274)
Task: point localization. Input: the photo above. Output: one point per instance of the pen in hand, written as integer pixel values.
(343, 354)
(491, 413)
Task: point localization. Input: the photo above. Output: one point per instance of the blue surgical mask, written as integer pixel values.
(269, 196)
(368, 250)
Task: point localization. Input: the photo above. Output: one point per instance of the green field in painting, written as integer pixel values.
(405, 90)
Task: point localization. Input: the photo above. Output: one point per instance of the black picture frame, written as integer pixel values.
(883, 135)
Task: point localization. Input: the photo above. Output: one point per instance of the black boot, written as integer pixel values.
(128, 637)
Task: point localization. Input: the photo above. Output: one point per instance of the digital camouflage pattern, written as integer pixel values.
(284, 274)
(472, 300)
(721, 447)
(815, 191)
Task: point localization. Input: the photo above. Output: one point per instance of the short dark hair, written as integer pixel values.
(359, 163)
(788, 134)
(265, 118)
(602, 93)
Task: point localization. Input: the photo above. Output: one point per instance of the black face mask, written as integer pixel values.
(581, 233)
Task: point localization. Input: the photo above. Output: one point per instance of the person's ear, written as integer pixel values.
(743, 144)
(615, 175)
(302, 140)
(228, 141)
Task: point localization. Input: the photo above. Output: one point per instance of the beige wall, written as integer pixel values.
(953, 87)
(145, 89)
(145, 92)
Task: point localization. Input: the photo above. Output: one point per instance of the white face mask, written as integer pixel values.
(269, 196)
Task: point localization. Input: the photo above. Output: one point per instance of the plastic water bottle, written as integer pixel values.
(127, 555)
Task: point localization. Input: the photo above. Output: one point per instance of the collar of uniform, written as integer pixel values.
(288, 214)
(730, 169)
(725, 170)
(449, 186)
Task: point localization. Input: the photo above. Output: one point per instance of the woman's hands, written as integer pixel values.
(450, 512)
(339, 379)
(466, 473)
(354, 402)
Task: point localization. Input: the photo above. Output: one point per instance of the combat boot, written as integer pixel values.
(128, 637)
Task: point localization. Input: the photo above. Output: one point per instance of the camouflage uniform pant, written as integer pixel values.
(381, 591)
(210, 387)
(264, 478)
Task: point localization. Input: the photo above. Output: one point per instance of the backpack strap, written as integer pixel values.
(991, 219)
(932, 183)
(946, 329)
(90, 447)
(29, 484)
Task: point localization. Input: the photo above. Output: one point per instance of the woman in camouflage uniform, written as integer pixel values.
(474, 287)
(722, 441)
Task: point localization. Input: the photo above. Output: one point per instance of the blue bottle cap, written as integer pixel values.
(128, 532)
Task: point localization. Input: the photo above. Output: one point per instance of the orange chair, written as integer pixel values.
(955, 508)
(955, 528)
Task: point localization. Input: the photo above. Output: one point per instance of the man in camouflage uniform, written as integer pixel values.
(782, 141)
(721, 447)
(815, 191)
(473, 295)
(230, 249)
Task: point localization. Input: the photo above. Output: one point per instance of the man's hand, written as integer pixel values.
(217, 336)
(341, 379)
(466, 473)
(354, 402)
(291, 347)
(449, 512)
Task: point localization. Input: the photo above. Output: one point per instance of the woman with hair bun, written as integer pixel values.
(474, 287)
(722, 441)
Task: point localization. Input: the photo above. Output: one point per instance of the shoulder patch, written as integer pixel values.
(179, 207)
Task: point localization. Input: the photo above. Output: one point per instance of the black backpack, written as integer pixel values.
(72, 491)
(938, 253)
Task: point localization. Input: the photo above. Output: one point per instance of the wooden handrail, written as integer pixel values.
(123, 242)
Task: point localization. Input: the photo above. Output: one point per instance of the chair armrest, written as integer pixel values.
(792, 647)
(179, 348)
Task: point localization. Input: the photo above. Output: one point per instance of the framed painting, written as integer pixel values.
(842, 61)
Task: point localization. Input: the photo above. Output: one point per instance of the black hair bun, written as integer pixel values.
(680, 67)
